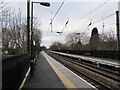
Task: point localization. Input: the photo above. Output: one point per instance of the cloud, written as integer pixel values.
(74, 10)
(47, 41)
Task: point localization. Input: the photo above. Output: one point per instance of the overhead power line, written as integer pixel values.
(97, 22)
(90, 12)
(87, 26)
(51, 23)
(103, 18)
(58, 10)
(94, 9)
(64, 26)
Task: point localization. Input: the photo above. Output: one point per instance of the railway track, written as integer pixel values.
(107, 73)
(100, 78)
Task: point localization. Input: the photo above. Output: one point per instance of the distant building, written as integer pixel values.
(94, 40)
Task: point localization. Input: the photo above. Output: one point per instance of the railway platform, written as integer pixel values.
(49, 73)
(98, 61)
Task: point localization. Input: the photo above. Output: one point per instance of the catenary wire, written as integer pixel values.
(51, 23)
(58, 10)
(89, 12)
(99, 21)
(64, 27)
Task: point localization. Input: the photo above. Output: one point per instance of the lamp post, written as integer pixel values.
(118, 30)
(28, 25)
(43, 4)
(46, 4)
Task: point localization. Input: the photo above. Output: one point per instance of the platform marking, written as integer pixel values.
(26, 76)
(79, 77)
(63, 78)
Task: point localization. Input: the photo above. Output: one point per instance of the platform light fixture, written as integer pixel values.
(46, 4)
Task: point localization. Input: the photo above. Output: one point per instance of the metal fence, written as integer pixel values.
(14, 70)
(95, 53)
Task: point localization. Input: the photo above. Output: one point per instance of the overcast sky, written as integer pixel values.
(71, 10)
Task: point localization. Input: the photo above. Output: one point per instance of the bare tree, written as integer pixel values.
(75, 41)
(108, 41)
(37, 38)
(14, 28)
(58, 46)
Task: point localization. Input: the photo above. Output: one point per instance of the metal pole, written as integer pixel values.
(118, 29)
(31, 62)
(32, 31)
(28, 25)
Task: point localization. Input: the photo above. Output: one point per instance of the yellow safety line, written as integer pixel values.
(63, 78)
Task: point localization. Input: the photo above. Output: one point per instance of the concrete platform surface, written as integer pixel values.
(72, 80)
(49, 73)
(44, 76)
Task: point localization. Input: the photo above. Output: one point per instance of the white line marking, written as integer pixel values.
(74, 73)
(66, 81)
(23, 82)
